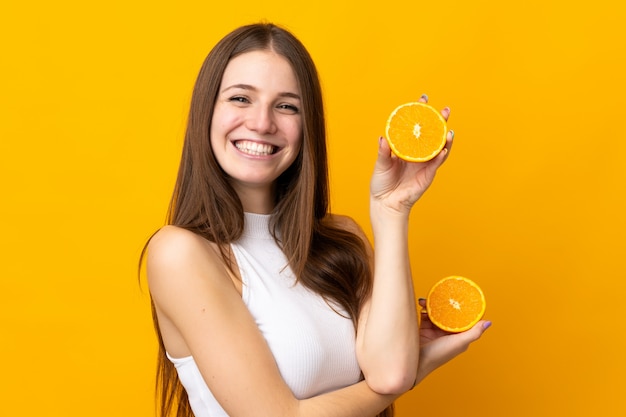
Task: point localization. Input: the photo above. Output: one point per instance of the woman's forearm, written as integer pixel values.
(388, 338)
(357, 400)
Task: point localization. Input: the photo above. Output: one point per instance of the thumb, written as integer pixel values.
(385, 157)
(477, 331)
(463, 340)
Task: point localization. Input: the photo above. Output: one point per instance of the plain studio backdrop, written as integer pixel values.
(530, 205)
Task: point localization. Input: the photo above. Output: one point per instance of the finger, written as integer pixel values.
(448, 145)
(385, 157)
(445, 112)
(476, 332)
(423, 99)
(441, 157)
(450, 137)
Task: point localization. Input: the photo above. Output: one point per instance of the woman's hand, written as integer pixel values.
(398, 184)
(437, 347)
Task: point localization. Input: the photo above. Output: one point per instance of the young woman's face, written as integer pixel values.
(256, 131)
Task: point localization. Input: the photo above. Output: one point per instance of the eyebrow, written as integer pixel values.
(252, 88)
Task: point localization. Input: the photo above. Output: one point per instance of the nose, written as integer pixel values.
(261, 120)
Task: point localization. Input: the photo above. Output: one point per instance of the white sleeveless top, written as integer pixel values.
(314, 346)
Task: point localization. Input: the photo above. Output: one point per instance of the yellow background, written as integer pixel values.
(530, 205)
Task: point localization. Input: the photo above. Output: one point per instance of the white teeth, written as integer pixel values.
(254, 148)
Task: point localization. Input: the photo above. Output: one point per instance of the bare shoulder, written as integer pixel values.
(172, 242)
(176, 255)
(172, 245)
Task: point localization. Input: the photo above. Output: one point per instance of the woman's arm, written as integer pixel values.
(201, 313)
(388, 333)
(388, 336)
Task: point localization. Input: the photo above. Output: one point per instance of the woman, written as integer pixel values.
(265, 303)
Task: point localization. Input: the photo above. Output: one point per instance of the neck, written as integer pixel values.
(259, 200)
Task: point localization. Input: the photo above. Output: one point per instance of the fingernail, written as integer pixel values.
(380, 141)
(425, 97)
(487, 325)
(421, 299)
(452, 133)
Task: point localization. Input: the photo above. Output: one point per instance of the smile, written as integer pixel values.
(254, 148)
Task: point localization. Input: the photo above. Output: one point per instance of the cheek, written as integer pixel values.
(217, 139)
(295, 134)
(217, 122)
(223, 117)
(220, 124)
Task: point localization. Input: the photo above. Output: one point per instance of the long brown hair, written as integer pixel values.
(324, 257)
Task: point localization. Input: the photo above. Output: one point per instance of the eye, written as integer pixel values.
(290, 108)
(239, 99)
